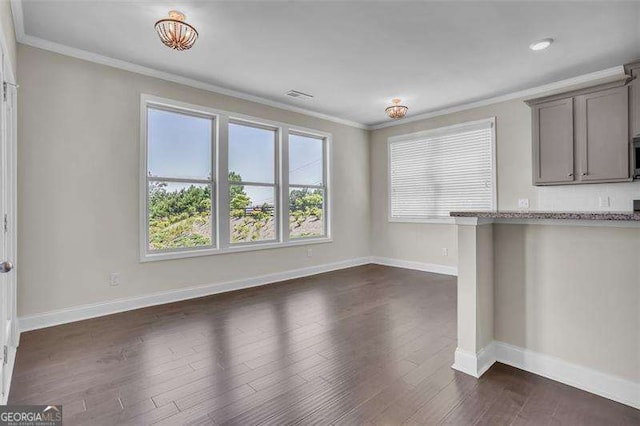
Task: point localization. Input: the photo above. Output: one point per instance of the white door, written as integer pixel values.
(8, 340)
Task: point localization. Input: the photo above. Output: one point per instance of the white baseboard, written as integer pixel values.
(474, 364)
(418, 266)
(78, 313)
(11, 361)
(593, 381)
(606, 385)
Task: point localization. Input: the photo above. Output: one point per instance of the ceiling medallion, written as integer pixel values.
(175, 33)
(396, 111)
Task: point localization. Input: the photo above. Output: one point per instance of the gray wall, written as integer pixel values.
(78, 177)
(571, 292)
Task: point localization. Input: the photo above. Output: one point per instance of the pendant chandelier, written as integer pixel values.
(396, 111)
(175, 33)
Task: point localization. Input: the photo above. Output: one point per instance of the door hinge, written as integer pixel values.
(4, 91)
(6, 350)
(6, 223)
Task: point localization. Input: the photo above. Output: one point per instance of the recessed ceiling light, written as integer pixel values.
(541, 44)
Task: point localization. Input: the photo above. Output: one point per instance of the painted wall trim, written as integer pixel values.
(11, 361)
(14, 337)
(62, 49)
(79, 313)
(587, 379)
(599, 77)
(418, 266)
(474, 364)
(590, 380)
(473, 221)
(592, 79)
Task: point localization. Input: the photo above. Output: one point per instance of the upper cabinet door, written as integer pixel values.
(602, 135)
(634, 103)
(553, 142)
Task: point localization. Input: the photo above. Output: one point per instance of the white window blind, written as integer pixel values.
(436, 172)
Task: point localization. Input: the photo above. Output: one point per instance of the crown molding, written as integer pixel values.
(592, 79)
(22, 37)
(599, 77)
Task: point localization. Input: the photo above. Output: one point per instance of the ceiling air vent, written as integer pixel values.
(296, 94)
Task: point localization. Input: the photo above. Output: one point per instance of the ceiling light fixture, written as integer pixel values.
(396, 111)
(175, 33)
(541, 44)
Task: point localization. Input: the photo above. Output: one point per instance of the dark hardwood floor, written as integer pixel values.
(367, 345)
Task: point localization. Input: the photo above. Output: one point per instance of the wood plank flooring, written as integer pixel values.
(366, 345)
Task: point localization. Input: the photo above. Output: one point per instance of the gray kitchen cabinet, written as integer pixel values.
(602, 135)
(634, 98)
(583, 136)
(553, 142)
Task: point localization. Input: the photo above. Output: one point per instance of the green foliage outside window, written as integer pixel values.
(248, 223)
(182, 217)
(179, 218)
(305, 212)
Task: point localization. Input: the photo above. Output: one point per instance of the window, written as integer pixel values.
(436, 172)
(214, 182)
(307, 187)
(252, 183)
(179, 180)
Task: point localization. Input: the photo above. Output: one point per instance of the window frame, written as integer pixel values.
(324, 186)
(197, 181)
(277, 141)
(220, 185)
(491, 121)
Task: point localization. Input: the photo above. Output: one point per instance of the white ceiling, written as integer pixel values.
(355, 56)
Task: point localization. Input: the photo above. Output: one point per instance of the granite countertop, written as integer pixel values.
(624, 216)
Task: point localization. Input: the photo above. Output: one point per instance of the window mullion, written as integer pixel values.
(284, 184)
(255, 183)
(223, 183)
(177, 179)
(213, 182)
(307, 186)
(326, 176)
(144, 184)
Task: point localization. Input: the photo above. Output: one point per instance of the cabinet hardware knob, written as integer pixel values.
(584, 174)
(569, 174)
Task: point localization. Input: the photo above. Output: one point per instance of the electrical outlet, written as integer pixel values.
(445, 251)
(523, 203)
(604, 202)
(309, 252)
(114, 279)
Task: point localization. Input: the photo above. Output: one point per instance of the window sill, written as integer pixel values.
(153, 257)
(433, 220)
